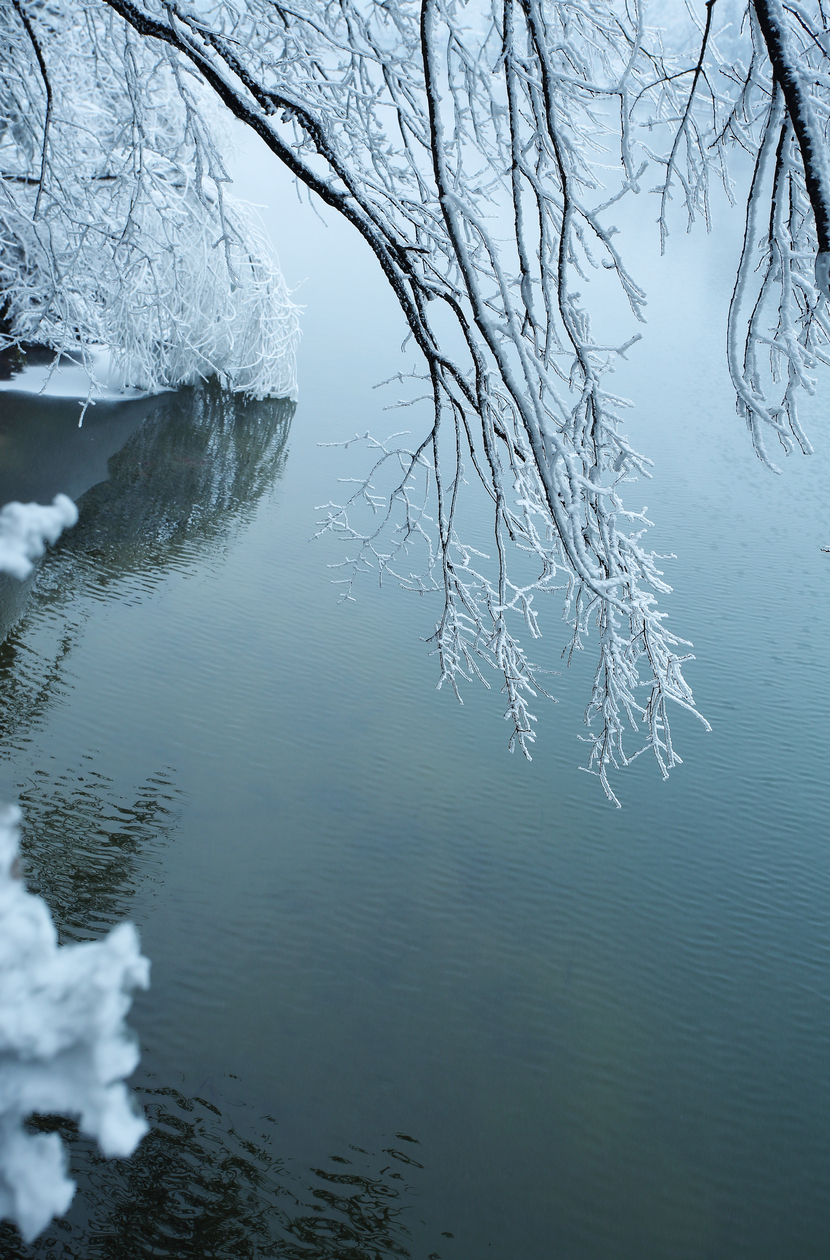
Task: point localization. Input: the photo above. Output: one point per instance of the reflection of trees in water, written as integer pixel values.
(87, 847)
(30, 679)
(197, 1190)
(191, 473)
(198, 464)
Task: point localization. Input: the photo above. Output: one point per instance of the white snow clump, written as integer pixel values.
(25, 529)
(64, 1046)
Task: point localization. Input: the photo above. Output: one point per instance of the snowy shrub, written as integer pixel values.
(25, 528)
(115, 228)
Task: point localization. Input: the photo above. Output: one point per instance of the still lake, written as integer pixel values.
(412, 996)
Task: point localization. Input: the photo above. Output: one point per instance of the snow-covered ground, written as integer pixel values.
(71, 378)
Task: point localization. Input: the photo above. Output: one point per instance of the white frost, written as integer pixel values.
(117, 231)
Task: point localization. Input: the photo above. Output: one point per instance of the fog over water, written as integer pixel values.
(412, 996)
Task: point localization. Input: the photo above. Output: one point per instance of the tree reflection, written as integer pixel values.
(87, 848)
(197, 1189)
(200, 1184)
(188, 476)
(184, 479)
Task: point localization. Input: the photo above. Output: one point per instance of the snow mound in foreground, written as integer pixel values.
(64, 1045)
(26, 528)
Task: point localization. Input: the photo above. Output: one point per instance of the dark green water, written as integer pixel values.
(412, 996)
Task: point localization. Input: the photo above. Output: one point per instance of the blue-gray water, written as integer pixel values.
(412, 996)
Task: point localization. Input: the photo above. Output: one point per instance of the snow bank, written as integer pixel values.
(92, 375)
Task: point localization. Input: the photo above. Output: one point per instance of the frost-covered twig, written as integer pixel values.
(778, 327)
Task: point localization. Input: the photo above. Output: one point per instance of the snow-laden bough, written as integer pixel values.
(481, 149)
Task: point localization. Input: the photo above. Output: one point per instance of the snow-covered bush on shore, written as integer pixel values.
(115, 228)
(64, 1047)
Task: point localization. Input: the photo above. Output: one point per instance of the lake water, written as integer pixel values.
(412, 996)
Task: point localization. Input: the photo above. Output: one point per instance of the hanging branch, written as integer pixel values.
(479, 148)
(812, 140)
(500, 119)
(21, 12)
(778, 311)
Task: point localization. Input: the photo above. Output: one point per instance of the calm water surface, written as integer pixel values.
(412, 996)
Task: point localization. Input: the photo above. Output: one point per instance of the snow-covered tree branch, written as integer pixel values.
(480, 149)
(778, 313)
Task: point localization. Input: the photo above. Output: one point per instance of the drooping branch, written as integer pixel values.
(326, 91)
(812, 139)
(479, 148)
(682, 130)
(778, 311)
(24, 17)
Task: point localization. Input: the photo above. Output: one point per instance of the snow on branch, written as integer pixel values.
(480, 148)
(473, 147)
(778, 329)
(796, 83)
